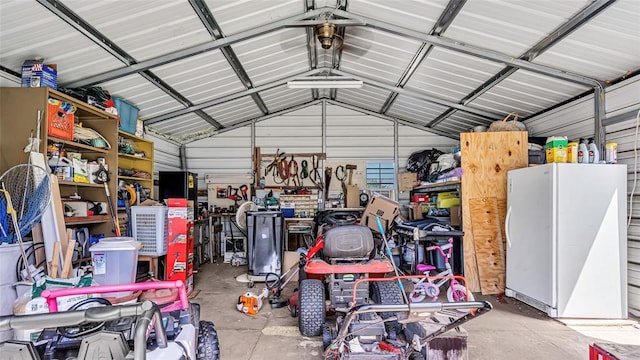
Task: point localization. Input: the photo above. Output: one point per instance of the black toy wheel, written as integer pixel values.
(208, 347)
(311, 314)
(388, 293)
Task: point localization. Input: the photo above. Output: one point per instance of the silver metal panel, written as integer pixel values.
(282, 97)
(274, 56)
(415, 15)
(28, 30)
(604, 48)
(510, 27)
(573, 120)
(368, 97)
(421, 112)
(233, 111)
(376, 54)
(411, 140)
(144, 30)
(236, 16)
(182, 125)
(461, 122)
(451, 75)
(527, 93)
(202, 77)
(143, 94)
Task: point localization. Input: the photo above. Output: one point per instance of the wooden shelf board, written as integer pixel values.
(132, 157)
(131, 136)
(72, 183)
(78, 220)
(78, 145)
(133, 178)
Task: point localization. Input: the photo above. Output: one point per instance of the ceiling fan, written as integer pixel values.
(326, 27)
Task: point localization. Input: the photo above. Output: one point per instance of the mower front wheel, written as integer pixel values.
(208, 346)
(311, 314)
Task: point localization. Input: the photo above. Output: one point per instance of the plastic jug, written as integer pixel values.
(583, 152)
(572, 152)
(594, 154)
(115, 261)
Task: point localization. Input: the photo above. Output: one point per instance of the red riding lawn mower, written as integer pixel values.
(373, 319)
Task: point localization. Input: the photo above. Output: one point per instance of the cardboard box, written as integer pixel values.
(415, 211)
(455, 214)
(382, 207)
(407, 181)
(351, 196)
(291, 258)
(35, 73)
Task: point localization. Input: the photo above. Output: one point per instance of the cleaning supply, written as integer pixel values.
(611, 153)
(572, 152)
(594, 154)
(556, 149)
(583, 152)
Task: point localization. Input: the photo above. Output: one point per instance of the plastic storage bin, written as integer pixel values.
(9, 255)
(149, 227)
(115, 262)
(128, 115)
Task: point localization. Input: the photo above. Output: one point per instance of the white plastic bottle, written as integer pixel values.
(583, 152)
(594, 154)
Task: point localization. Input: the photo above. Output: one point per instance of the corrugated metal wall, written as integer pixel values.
(349, 135)
(576, 120)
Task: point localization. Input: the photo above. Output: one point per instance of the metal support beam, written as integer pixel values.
(391, 118)
(183, 157)
(446, 18)
(474, 50)
(210, 23)
(543, 45)
(191, 51)
(422, 96)
(336, 52)
(228, 98)
(396, 157)
(324, 125)
(599, 115)
(312, 49)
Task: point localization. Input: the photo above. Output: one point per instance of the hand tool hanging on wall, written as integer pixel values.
(314, 175)
(327, 175)
(350, 168)
(275, 166)
(243, 190)
(341, 174)
(293, 172)
(304, 171)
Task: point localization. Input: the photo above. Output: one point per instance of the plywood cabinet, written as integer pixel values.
(19, 109)
(486, 158)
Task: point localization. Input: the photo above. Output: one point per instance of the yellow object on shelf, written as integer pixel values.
(447, 200)
(556, 147)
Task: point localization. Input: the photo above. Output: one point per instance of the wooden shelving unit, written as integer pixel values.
(18, 114)
(142, 163)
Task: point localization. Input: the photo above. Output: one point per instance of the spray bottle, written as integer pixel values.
(594, 154)
(583, 152)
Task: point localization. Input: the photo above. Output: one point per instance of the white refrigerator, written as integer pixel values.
(567, 239)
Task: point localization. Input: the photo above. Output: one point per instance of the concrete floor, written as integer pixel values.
(512, 330)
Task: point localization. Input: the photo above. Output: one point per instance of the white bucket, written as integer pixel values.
(9, 255)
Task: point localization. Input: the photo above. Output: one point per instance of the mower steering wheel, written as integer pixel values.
(84, 328)
(340, 218)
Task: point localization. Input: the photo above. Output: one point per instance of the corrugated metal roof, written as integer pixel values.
(202, 77)
(186, 70)
(234, 111)
(28, 30)
(282, 97)
(606, 47)
(143, 29)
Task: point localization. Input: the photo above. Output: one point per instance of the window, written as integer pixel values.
(380, 176)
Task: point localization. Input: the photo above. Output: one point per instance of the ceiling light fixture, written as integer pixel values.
(325, 82)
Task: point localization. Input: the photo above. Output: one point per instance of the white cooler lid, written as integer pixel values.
(116, 243)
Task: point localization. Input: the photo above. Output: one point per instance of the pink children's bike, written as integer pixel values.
(429, 286)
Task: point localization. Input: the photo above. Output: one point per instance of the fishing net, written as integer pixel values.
(26, 188)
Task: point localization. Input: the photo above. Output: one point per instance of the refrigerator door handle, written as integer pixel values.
(506, 226)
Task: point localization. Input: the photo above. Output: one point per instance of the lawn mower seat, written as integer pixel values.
(348, 241)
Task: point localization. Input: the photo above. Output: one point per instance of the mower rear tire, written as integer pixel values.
(311, 312)
(387, 293)
(208, 346)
